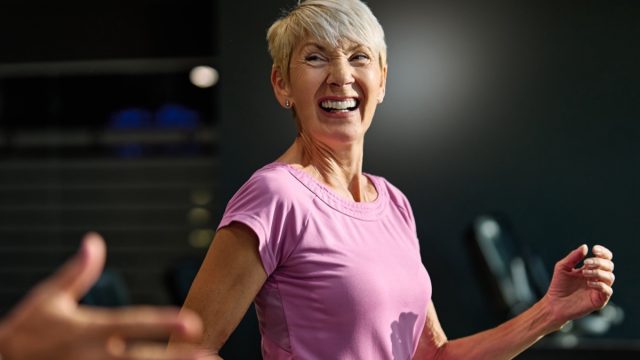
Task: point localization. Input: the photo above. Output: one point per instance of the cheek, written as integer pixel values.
(304, 79)
(303, 92)
(373, 81)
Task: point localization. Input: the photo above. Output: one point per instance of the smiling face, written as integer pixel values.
(334, 91)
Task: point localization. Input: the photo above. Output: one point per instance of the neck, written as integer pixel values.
(340, 169)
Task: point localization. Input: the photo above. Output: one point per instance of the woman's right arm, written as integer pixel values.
(227, 283)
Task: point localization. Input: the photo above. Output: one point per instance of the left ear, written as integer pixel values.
(280, 86)
(383, 84)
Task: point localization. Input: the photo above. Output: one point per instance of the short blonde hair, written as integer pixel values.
(327, 20)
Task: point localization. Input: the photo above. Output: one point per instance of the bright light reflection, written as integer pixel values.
(204, 76)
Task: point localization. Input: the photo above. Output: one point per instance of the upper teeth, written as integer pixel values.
(339, 105)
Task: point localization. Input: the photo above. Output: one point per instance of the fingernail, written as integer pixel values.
(588, 272)
(589, 262)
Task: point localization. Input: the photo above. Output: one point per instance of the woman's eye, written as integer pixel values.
(313, 58)
(360, 58)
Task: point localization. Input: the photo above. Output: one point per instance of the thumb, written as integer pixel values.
(574, 257)
(79, 273)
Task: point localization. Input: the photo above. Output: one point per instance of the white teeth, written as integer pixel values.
(338, 105)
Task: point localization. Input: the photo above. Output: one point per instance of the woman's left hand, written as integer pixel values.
(575, 292)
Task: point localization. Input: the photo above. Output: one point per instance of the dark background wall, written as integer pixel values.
(101, 129)
(530, 109)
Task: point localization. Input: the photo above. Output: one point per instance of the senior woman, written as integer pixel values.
(330, 254)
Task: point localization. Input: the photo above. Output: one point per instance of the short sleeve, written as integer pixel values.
(265, 203)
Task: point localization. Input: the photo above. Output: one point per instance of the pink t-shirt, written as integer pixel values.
(345, 279)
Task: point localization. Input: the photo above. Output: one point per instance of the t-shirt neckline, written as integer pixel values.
(370, 210)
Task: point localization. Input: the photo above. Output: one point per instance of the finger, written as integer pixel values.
(141, 322)
(602, 287)
(602, 252)
(79, 273)
(598, 263)
(600, 276)
(573, 258)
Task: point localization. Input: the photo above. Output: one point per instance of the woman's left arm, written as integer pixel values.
(574, 292)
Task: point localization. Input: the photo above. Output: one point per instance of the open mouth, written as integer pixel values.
(338, 106)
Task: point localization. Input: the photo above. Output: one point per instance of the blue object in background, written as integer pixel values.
(168, 117)
(128, 119)
(174, 116)
(131, 118)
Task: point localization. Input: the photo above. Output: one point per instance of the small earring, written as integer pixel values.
(287, 104)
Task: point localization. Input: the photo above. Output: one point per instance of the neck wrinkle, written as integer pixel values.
(345, 176)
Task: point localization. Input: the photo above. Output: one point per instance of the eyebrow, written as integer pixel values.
(313, 44)
(354, 46)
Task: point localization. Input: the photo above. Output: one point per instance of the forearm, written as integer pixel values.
(506, 340)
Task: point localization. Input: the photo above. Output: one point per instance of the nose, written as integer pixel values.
(340, 73)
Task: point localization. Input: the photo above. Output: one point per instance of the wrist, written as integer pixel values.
(553, 321)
